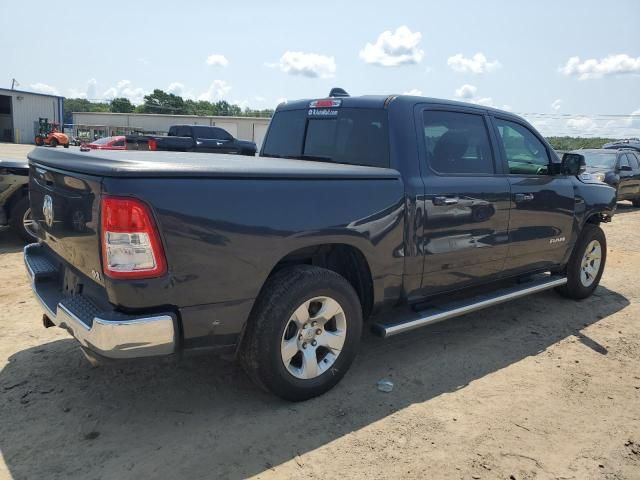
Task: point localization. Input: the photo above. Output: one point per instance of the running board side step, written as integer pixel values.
(455, 309)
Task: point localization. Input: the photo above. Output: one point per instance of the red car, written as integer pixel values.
(118, 142)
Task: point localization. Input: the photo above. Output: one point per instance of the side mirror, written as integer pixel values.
(573, 164)
(625, 168)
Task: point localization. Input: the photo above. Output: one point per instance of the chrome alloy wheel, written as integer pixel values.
(313, 338)
(590, 265)
(29, 224)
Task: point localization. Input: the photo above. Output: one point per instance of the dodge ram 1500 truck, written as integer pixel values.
(398, 209)
(201, 138)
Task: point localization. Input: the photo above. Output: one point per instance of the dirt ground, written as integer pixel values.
(541, 388)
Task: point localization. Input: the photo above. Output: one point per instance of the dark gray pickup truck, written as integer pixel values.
(398, 211)
(201, 138)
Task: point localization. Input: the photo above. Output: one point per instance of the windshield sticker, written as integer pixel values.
(321, 112)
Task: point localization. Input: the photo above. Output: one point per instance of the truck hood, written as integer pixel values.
(143, 164)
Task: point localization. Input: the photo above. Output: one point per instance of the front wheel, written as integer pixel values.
(53, 143)
(303, 333)
(586, 264)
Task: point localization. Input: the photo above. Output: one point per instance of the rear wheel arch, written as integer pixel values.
(341, 258)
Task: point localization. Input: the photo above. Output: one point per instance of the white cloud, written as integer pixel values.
(594, 68)
(258, 98)
(581, 124)
(393, 49)
(476, 64)
(216, 59)
(91, 88)
(311, 65)
(414, 91)
(556, 105)
(176, 88)
(485, 101)
(466, 91)
(44, 88)
(216, 91)
(124, 88)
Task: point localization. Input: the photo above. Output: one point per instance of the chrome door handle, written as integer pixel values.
(441, 200)
(524, 197)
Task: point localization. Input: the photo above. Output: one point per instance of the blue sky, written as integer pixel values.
(514, 55)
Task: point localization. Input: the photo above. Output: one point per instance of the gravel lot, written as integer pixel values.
(541, 388)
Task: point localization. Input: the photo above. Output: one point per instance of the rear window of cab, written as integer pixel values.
(355, 136)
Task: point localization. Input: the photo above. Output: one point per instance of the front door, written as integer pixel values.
(542, 200)
(466, 201)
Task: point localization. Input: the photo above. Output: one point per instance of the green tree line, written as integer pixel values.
(161, 102)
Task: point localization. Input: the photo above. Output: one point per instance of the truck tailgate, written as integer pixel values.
(65, 207)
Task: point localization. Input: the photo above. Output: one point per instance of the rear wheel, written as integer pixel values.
(586, 264)
(53, 142)
(39, 141)
(66, 145)
(303, 334)
(21, 220)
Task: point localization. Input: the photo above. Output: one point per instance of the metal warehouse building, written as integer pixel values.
(20, 111)
(102, 124)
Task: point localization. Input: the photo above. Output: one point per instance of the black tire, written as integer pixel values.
(66, 145)
(575, 288)
(16, 218)
(53, 143)
(287, 290)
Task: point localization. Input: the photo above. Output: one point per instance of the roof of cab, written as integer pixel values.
(380, 101)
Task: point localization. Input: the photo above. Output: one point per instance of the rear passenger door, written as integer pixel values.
(213, 140)
(542, 199)
(466, 203)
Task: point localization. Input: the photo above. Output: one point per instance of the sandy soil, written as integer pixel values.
(542, 388)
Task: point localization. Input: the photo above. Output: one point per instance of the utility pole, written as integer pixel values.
(14, 83)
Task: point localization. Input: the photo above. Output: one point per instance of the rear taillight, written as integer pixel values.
(153, 145)
(131, 246)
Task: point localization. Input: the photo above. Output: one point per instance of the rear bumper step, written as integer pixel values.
(455, 309)
(108, 333)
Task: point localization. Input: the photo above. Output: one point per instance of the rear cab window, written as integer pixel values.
(355, 136)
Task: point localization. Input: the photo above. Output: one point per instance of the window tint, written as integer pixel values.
(180, 131)
(356, 136)
(285, 134)
(457, 143)
(633, 160)
(525, 153)
(118, 143)
(623, 161)
(220, 134)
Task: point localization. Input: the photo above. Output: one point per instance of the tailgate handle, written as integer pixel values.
(440, 201)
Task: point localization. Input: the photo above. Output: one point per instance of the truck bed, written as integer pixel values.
(140, 164)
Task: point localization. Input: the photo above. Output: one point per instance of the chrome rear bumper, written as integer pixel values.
(106, 332)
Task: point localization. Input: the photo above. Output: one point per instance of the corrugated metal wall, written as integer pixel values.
(244, 128)
(27, 108)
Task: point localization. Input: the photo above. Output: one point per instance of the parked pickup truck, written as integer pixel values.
(397, 210)
(201, 138)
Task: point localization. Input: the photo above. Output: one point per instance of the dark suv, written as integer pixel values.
(633, 143)
(618, 168)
